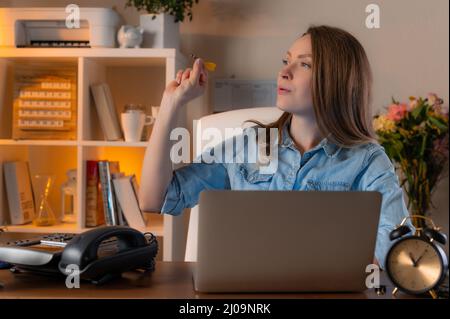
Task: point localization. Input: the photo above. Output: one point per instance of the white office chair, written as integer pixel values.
(230, 119)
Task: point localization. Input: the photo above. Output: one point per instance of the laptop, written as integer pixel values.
(285, 241)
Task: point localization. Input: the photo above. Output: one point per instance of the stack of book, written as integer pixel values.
(112, 197)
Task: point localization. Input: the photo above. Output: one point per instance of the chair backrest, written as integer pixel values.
(221, 121)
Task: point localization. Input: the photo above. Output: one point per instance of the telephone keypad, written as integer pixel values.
(56, 239)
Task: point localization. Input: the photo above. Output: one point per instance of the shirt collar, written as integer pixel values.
(330, 148)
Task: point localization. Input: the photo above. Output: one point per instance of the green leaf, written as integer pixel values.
(416, 112)
(422, 147)
(439, 124)
(404, 133)
(176, 8)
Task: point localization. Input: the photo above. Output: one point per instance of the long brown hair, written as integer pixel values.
(341, 88)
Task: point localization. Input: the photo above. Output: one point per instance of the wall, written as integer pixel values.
(248, 38)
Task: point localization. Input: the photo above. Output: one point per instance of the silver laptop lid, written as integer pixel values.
(252, 241)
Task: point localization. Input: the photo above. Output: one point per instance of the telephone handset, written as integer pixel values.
(116, 249)
(99, 254)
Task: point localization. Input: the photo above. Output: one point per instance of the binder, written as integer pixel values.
(128, 201)
(19, 192)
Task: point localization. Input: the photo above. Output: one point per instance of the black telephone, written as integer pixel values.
(100, 254)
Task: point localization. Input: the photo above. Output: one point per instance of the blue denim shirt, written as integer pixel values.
(326, 167)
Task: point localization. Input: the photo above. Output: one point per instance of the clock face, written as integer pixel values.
(414, 265)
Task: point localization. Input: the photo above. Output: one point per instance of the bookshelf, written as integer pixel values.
(134, 76)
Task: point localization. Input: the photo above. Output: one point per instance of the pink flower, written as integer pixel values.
(397, 111)
(413, 103)
(437, 104)
(433, 98)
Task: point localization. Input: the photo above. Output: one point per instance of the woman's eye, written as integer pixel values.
(303, 64)
(306, 65)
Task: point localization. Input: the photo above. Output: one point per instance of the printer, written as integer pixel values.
(46, 27)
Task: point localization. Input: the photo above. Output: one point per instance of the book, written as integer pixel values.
(129, 203)
(104, 103)
(114, 169)
(106, 169)
(135, 186)
(120, 217)
(94, 200)
(19, 192)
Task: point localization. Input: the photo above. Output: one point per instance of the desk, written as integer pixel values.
(171, 280)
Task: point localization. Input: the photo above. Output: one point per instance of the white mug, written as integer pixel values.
(133, 123)
(155, 111)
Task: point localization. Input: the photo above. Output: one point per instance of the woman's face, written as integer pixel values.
(294, 80)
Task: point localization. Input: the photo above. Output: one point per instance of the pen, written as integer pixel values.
(210, 66)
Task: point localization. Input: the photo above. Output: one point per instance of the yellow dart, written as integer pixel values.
(210, 66)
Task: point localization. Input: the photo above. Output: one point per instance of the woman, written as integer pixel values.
(326, 140)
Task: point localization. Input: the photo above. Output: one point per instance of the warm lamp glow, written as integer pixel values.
(129, 158)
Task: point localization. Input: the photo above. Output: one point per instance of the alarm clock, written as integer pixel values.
(417, 264)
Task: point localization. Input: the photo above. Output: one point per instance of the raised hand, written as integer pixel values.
(188, 84)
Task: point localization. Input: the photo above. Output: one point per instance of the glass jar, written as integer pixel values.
(69, 197)
(42, 185)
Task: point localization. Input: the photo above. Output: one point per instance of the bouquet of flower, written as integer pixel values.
(415, 136)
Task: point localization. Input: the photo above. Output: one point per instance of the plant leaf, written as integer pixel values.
(439, 124)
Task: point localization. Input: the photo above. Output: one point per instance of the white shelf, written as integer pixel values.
(134, 75)
(38, 142)
(10, 142)
(113, 144)
(65, 53)
(157, 229)
(30, 228)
